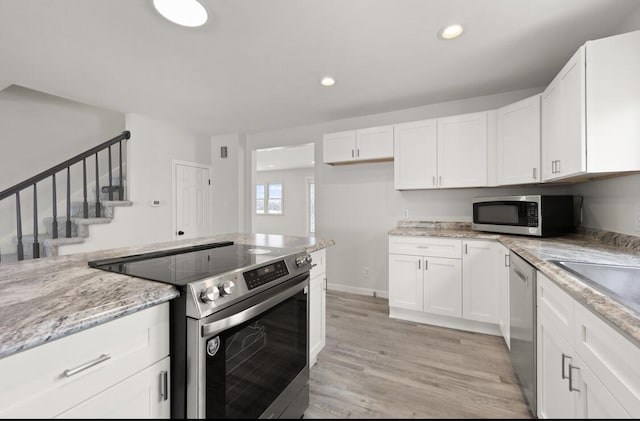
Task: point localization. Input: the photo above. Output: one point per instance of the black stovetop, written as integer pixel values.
(182, 266)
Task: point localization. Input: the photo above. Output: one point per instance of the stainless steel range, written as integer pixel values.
(239, 330)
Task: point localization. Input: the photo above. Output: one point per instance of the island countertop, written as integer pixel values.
(588, 245)
(45, 299)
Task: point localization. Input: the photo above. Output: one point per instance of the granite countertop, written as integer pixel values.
(588, 245)
(45, 299)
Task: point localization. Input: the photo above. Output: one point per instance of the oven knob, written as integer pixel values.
(227, 288)
(209, 294)
(303, 260)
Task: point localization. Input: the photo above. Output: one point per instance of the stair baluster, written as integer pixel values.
(110, 178)
(36, 245)
(68, 227)
(19, 227)
(120, 192)
(85, 204)
(97, 189)
(54, 223)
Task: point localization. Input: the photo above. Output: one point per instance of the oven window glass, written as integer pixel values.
(499, 213)
(255, 361)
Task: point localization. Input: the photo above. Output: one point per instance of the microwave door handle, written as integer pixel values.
(214, 328)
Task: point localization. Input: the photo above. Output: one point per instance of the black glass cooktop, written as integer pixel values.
(188, 264)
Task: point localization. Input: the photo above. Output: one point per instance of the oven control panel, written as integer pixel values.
(265, 274)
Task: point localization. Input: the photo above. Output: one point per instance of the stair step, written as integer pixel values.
(79, 226)
(48, 246)
(106, 208)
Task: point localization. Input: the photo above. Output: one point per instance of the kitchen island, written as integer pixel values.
(61, 321)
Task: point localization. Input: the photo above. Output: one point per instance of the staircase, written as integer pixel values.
(72, 228)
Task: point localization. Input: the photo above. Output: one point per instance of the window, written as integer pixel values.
(269, 198)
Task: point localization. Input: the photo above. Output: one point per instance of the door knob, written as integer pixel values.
(180, 232)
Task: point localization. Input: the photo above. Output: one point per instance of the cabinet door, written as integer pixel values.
(502, 255)
(518, 142)
(462, 150)
(339, 147)
(317, 316)
(443, 286)
(554, 356)
(415, 155)
(405, 281)
(563, 121)
(480, 281)
(143, 395)
(593, 399)
(374, 143)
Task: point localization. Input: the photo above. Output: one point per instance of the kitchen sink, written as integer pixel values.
(622, 283)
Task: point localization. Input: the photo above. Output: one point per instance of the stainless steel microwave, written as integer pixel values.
(537, 215)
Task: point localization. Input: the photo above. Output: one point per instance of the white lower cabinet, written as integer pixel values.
(139, 396)
(577, 380)
(431, 280)
(96, 367)
(317, 305)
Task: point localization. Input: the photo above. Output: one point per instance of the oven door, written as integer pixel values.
(252, 358)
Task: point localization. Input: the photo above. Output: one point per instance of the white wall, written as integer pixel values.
(294, 219)
(357, 204)
(226, 191)
(152, 148)
(38, 132)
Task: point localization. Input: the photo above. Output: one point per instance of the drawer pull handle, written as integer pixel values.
(164, 385)
(565, 357)
(571, 368)
(72, 372)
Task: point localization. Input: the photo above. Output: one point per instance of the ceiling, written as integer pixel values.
(285, 157)
(256, 65)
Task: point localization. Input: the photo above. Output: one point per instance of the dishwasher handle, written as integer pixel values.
(521, 275)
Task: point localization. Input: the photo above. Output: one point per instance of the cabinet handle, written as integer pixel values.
(73, 371)
(433, 181)
(565, 357)
(358, 153)
(426, 264)
(553, 167)
(164, 385)
(419, 264)
(466, 250)
(558, 166)
(353, 155)
(325, 284)
(571, 368)
(506, 260)
(535, 170)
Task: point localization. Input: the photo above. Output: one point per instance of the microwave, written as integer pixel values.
(537, 215)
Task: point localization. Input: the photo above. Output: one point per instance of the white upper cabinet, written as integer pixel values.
(518, 142)
(462, 150)
(591, 111)
(416, 155)
(371, 144)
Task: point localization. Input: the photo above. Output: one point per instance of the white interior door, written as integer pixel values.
(192, 201)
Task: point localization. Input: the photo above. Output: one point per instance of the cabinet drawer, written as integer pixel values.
(319, 259)
(41, 383)
(426, 246)
(556, 305)
(611, 357)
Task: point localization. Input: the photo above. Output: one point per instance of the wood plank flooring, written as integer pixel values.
(376, 367)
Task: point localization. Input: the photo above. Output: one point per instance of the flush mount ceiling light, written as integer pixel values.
(451, 31)
(182, 12)
(327, 81)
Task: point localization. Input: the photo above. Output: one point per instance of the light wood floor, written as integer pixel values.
(376, 367)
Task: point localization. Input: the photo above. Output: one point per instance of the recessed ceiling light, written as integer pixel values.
(183, 12)
(451, 31)
(327, 81)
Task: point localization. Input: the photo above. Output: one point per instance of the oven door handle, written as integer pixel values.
(214, 328)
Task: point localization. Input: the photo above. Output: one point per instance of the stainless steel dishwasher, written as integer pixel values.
(522, 313)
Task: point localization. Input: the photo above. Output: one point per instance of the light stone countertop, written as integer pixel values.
(589, 245)
(45, 299)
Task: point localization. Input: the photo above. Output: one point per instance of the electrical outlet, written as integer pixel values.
(405, 214)
(366, 272)
(638, 221)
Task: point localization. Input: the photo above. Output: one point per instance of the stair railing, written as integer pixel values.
(51, 172)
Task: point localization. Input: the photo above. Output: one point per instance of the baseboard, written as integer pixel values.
(444, 321)
(355, 290)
